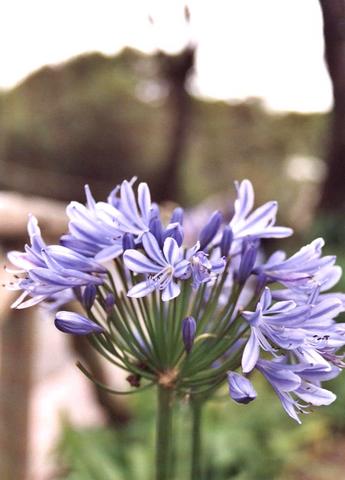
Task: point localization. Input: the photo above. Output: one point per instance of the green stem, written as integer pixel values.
(164, 433)
(196, 439)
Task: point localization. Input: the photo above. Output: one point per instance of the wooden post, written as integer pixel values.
(15, 381)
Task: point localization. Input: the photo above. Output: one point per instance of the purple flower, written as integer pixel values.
(256, 224)
(97, 228)
(322, 280)
(307, 331)
(290, 381)
(240, 388)
(63, 269)
(283, 381)
(32, 257)
(299, 271)
(293, 326)
(92, 232)
(280, 324)
(162, 267)
(188, 333)
(70, 322)
(202, 269)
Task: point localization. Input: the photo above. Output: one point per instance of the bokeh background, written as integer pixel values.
(188, 96)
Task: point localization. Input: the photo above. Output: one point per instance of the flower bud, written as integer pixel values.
(109, 302)
(70, 322)
(175, 231)
(78, 293)
(247, 263)
(210, 230)
(188, 333)
(128, 242)
(226, 241)
(89, 296)
(177, 216)
(240, 388)
(157, 230)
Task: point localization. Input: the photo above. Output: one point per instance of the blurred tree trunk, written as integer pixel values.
(333, 193)
(175, 70)
(116, 410)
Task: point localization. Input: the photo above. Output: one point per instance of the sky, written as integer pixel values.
(271, 49)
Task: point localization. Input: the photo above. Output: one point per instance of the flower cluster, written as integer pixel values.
(192, 317)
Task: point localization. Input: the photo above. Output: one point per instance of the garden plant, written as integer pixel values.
(187, 310)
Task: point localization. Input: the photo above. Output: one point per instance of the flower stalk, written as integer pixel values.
(164, 432)
(196, 464)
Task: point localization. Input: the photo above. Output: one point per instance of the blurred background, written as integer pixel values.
(188, 96)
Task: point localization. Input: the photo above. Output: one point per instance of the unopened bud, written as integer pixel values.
(89, 296)
(128, 241)
(240, 388)
(210, 230)
(226, 241)
(109, 302)
(175, 231)
(188, 333)
(177, 216)
(247, 263)
(156, 229)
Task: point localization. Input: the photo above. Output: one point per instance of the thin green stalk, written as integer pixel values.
(196, 470)
(164, 433)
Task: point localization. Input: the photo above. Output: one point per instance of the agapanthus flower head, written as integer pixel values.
(192, 317)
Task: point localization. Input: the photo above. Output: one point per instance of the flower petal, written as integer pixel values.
(141, 289)
(144, 201)
(171, 250)
(315, 395)
(139, 263)
(152, 249)
(250, 353)
(245, 200)
(181, 268)
(109, 253)
(172, 290)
